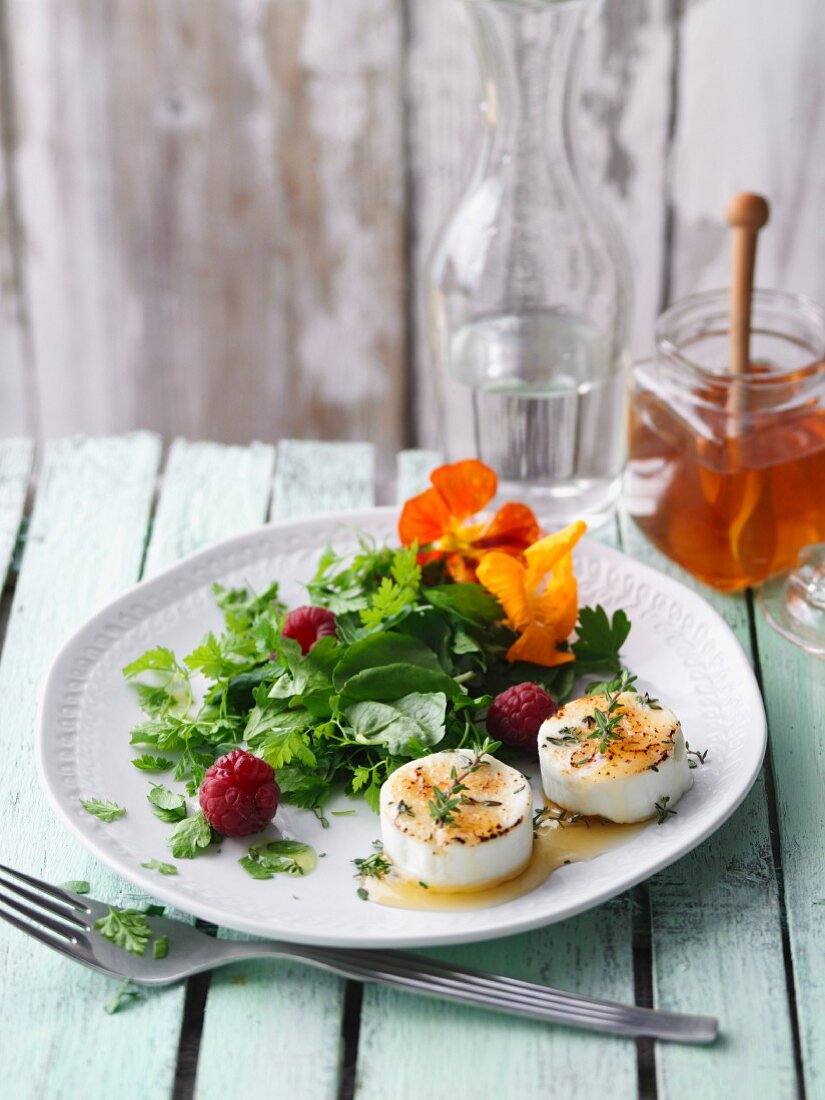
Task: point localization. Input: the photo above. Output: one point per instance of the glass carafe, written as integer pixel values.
(528, 282)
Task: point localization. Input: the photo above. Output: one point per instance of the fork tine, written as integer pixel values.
(46, 888)
(63, 947)
(56, 910)
(69, 935)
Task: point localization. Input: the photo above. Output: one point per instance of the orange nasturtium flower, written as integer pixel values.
(540, 596)
(436, 518)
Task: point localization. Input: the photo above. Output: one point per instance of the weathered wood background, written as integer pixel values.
(214, 213)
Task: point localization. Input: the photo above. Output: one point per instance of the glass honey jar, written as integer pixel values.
(726, 471)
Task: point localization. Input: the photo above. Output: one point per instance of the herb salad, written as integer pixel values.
(414, 662)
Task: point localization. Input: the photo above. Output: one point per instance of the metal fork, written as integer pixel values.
(65, 921)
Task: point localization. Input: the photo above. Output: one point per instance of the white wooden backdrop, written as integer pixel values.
(214, 213)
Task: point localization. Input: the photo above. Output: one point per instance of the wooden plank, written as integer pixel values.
(282, 1021)
(212, 196)
(748, 108)
(401, 1033)
(209, 492)
(463, 1050)
(794, 686)
(84, 545)
(621, 130)
(17, 397)
(310, 476)
(16, 456)
(413, 470)
(713, 913)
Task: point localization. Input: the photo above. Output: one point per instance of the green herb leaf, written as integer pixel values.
(404, 726)
(374, 866)
(662, 811)
(190, 837)
(76, 886)
(126, 928)
(600, 638)
(149, 763)
(166, 804)
(468, 602)
(161, 868)
(125, 994)
(104, 811)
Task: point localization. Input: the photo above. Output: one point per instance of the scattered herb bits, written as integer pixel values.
(190, 837)
(161, 868)
(103, 811)
(268, 858)
(166, 805)
(125, 994)
(126, 928)
(76, 886)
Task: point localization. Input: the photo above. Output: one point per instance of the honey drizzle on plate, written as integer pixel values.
(556, 843)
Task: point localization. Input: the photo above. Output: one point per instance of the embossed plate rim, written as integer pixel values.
(671, 623)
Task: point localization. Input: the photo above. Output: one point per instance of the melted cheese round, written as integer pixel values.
(644, 763)
(490, 836)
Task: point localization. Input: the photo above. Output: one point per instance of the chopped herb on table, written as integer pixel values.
(126, 993)
(76, 886)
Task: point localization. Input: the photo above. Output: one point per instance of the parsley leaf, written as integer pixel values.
(397, 592)
(161, 868)
(104, 811)
(166, 804)
(600, 639)
(126, 928)
(190, 837)
(149, 763)
(76, 886)
(123, 995)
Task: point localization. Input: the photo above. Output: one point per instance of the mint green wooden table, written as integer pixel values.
(735, 929)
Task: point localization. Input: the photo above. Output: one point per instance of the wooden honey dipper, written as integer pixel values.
(746, 214)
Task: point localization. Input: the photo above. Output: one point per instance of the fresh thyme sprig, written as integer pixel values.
(700, 756)
(374, 866)
(662, 810)
(444, 803)
(608, 720)
(550, 814)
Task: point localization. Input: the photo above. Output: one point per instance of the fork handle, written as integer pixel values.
(443, 981)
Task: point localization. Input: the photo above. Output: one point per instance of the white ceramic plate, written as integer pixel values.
(681, 649)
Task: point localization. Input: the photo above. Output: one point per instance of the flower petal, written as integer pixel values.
(461, 568)
(538, 647)
(513, 528)
(466, 487)
(424, 519)
(542, 556)
(503, 575)
(557, 607)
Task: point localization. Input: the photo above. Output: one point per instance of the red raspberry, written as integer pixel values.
(239, 794)
(307, 624)
(517, 714)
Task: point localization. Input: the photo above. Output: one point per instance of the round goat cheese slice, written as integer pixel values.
(642, 763)
(487, 836)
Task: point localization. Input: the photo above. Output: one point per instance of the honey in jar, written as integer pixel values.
(726, 473)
